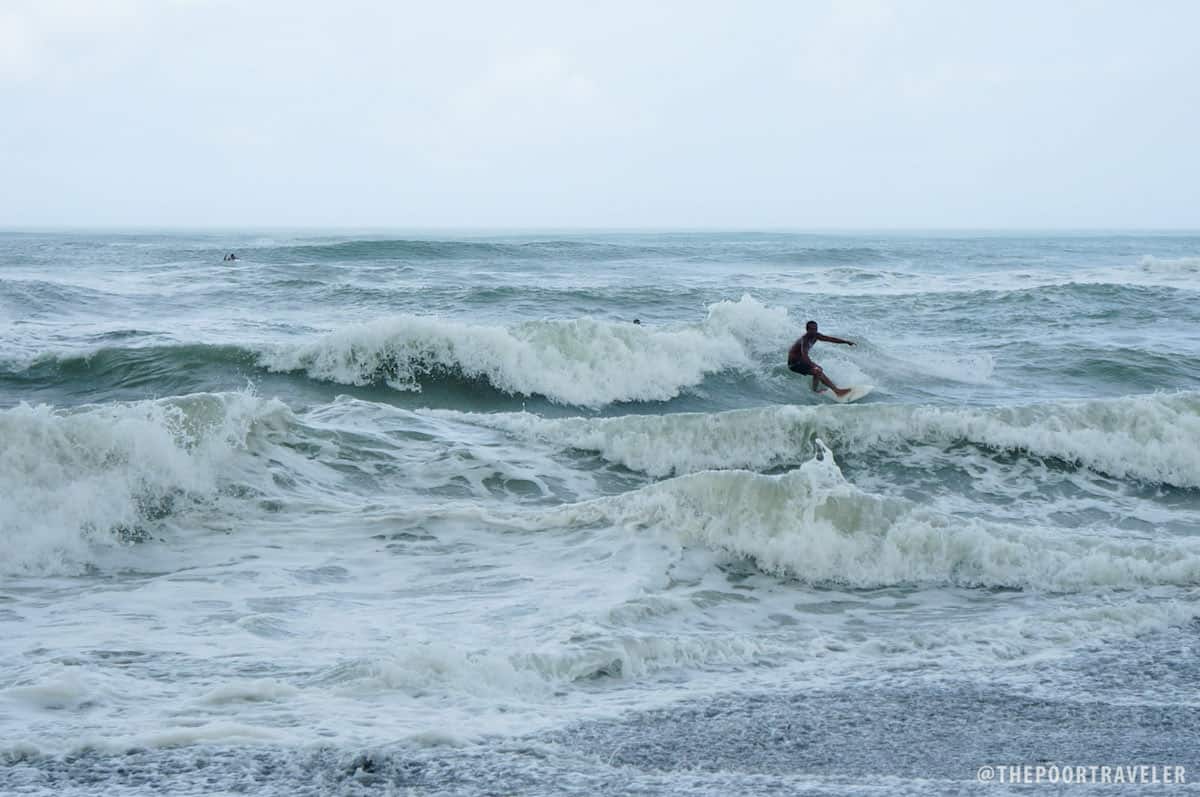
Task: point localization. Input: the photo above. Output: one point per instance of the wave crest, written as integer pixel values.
(1149, 438)
(582, 362)
(813, 525)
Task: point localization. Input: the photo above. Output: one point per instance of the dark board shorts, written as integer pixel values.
(800, 368)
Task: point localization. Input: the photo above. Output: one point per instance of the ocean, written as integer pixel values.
(430, 514)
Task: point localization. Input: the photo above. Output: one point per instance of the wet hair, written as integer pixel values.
(812, 324)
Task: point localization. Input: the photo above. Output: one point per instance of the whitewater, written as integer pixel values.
(400, 513)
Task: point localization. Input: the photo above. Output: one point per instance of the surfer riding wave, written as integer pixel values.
(801, 363)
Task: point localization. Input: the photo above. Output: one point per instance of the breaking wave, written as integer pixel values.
(1151, 438)
(813, 525)
(101, 475)
(582, 362)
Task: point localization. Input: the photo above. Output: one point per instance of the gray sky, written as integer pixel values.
(562, 114)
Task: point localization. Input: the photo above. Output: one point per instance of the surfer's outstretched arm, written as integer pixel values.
(831, 339)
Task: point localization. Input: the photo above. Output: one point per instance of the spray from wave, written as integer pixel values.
(102, 475)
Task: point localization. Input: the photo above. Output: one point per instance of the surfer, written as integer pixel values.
(799, 361)
(230, 256)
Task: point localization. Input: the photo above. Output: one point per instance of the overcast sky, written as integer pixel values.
(806, 115)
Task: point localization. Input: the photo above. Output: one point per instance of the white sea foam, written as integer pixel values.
(211, 733)
(61, 688)
(72, 480)
(261, 690)
(1151, 438)
(584, 362)
(813, 525)
(1170, 265)
(436, 665)
(967, 368)
(533, 675)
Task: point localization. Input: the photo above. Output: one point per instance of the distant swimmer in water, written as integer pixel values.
(799, 361)
(230, 256)
(637, 321)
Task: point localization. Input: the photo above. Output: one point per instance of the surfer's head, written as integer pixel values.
(811, 327)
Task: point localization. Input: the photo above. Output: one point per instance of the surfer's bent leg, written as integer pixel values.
(818, 373)
(818, 376)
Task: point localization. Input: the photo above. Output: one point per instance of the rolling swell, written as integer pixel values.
(156, 368)
(1069, 304)
(36, 297)
(1149, 438)
(568, 250)
(417, 250)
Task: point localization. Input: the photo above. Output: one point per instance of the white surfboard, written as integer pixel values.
(856, 392)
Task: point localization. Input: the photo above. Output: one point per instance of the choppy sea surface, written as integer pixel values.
(430, 514)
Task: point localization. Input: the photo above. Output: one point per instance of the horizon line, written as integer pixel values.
(513, 229)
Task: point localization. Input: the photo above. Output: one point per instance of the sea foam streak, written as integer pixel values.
(75, 479)
(813, 525)
(1150, 438)
(583, 362)
(1169, 265)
